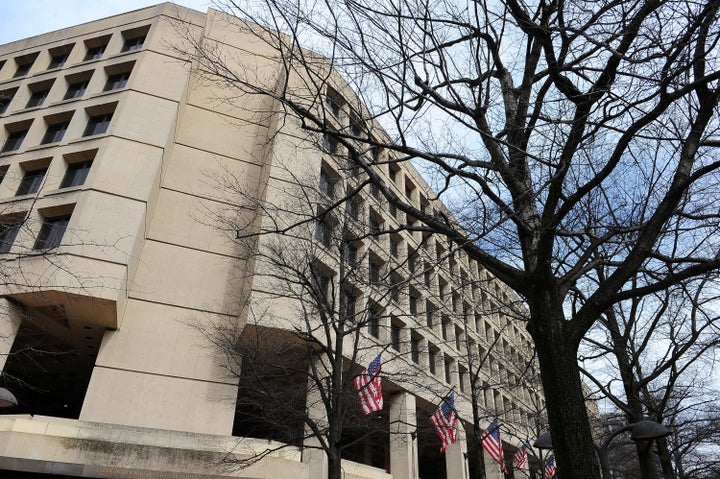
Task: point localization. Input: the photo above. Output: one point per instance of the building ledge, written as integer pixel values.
(87, 449)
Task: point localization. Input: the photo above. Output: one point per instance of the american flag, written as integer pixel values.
(492, 444)
(521, 454)
(550, 467)
(444, 421)
(368, 387)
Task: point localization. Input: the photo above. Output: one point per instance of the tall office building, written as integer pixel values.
(111, 146)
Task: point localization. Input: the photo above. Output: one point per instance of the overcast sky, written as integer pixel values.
(25, 18)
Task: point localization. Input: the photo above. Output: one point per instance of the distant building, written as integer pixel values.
(106, 135)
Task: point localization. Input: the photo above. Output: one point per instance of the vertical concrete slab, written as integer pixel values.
(403, 437)
(456, 464)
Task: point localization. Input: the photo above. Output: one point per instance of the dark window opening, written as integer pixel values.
(37, 98)
(55, 132)
(51, 232)
(58, 60)
(6, 97)
(374, 323)
(395, 329)
(76, 174)
(98, 124)
(49, 374)
(415, 348)
(94, 53)
(76, 90)
(22, 70)
(132, 44)
(13, 141)
(31, 182)
(117, 81)
(330, 143)
(8, 232)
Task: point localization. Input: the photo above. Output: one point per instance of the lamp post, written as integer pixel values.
(645, 430)
(7, 399)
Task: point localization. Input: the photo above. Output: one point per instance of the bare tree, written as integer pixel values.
(575, 135)
(659, 347)
(317, 311)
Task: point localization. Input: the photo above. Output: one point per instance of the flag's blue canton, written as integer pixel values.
(448, 406)
(374, 366)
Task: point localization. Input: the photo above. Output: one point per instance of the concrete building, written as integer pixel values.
(107, 139)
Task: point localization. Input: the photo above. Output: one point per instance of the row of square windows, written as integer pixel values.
(75, 175)
(117, 77)
(94, 49)
(50, 235)
(324, 234)
(57, 126)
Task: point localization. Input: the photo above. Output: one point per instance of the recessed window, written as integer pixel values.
(347, 305)
(6, 97)
(323, 231)
(430, 316)
(59, 55)
(76, 174)
(334, 101)
(76, 90)
(395, 332)
(24, 63)
(51, 232)
(95, 47)
(14, 140)
(415, 347)
(8, 233)
(433, 353)
(132, 44)
(355, 124)
(55, 132)
(330, 143)
(375, 270)
(31, 182)
(321, 284)
(374, 323)
(117, 81)
(393, 173)
(98, 124)
(349, 253)
(37, 98)
(57, 61)
(327, 181)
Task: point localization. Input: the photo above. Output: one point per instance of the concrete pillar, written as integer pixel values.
(10, 319)
(315, 458)
(403, 440)
(492, 468)
(456, 464)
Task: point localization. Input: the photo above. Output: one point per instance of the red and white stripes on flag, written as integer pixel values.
(493, 445)
(521, 454)
(444, 421)
(550, 467)
(368, 387)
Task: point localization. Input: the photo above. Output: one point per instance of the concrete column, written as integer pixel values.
(456, 465)
(492, 468)
(312, 455)
(10, 319)
(403, 440)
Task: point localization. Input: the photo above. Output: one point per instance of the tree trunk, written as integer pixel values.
(334, 463)
(565, 399)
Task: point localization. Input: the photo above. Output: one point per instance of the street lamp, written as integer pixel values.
(7, 399)
(645, 430)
